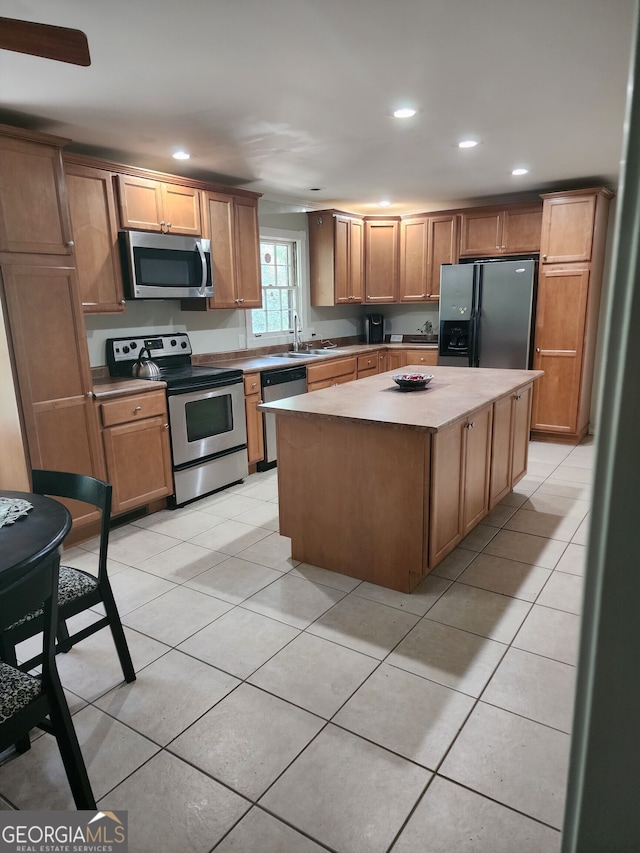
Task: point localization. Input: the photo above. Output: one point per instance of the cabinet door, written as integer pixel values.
(342, 261)
(443, 249)
(247, 253)
(480, 233)
(477, 468)
(521, 424)
(181, 209)
(501, 441)
(446, 491)
(221, 230)
(356, 260)
(33, 208)
(567, 228)
(383, 361)
(138, 463)
(521, 229)
(140, 201)
(559, 342)
(414, 260)
(54, 377)
(395, 359)
(381, 261)
(95, 232)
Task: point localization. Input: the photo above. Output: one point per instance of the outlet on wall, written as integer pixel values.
(311, 331)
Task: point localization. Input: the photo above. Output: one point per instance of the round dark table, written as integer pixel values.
(33, 536)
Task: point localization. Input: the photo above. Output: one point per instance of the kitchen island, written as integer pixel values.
(381, 484)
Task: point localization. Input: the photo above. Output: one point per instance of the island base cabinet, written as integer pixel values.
(368, 537)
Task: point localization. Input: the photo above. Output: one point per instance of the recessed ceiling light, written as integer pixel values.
(467, 143)
(404, 112)
(181, 155)
(520, 172)
(384, 203)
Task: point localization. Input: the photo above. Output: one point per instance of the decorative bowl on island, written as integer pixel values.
(412, 381)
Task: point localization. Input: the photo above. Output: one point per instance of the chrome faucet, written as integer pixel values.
(297, 332)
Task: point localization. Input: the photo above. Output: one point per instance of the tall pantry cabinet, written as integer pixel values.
(574, 228)
(45, 324)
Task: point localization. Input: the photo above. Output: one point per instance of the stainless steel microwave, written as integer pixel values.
(165, 266)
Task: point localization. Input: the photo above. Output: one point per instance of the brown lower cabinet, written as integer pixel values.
(331, 373)
(255, 432)
(137, 451)
(426, 357)
(510, 443)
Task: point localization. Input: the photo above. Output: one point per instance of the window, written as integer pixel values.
(280, 263)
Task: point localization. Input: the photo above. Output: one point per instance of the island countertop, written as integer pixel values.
(453, 393)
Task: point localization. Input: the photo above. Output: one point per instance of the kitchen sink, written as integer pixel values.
(308, 353)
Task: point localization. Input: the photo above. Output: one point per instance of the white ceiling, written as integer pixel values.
(280, 96)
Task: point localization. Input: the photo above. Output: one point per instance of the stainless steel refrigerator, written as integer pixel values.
(486, 314)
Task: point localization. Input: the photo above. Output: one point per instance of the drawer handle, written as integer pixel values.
(138, 409)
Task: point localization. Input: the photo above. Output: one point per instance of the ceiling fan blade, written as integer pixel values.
(59, 43)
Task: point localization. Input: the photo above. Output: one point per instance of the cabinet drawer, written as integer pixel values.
(368, 362)
(251, 383)
(427, 357)
(134, 408)
(343, 367)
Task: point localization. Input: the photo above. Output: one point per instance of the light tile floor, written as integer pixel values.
(282, 707)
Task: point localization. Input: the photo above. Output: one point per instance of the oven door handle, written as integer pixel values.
(203, 261)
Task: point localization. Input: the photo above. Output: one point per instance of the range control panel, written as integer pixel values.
(126, 349)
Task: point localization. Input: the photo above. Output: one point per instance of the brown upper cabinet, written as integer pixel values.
(381, 251)
(491, 231)
(426, 242)
(231, 223)
(150, 205)
(34, 217)
(336, 257)
(94, 222)
(569, 226)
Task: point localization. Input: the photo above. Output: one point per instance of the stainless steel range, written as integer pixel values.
(206, 412)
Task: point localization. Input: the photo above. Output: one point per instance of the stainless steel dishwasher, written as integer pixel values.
(278, 385)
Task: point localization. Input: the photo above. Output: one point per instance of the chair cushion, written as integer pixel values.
(72, 584)
(17, 690)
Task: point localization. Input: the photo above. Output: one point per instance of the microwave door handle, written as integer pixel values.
(203, 261)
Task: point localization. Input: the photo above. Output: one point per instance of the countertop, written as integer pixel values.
(453, 393)
(113, 386)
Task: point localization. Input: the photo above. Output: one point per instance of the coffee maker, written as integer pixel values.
(374, 328)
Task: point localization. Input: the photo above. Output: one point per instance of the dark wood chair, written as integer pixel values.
(29, 701)
(77, 590)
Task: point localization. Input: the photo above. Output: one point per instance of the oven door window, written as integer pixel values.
(209, 417)
(206, 422)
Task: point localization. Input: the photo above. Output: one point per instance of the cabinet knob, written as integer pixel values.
(469, 425)
(138, 409)
(164, 223)
(168, 225)
(254, 384)
(70, 244)
(544, 257)
(165, 426)
(517, 396)
(123, 302)
(503, 247)
(90, 395)
(498, 248)
(368, 297)
(537, 349)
